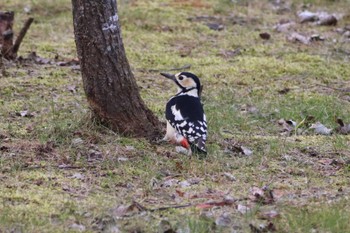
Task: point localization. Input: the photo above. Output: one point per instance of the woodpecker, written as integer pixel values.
(186, 121)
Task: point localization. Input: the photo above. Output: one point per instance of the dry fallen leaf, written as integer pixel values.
(296, 37)
(215, 26)
(284, 91)
(78, 176)
(328, 161)
(255, 191)
(268, 215)
(316, 37)
(287, 126)
(269, 227)
(72, 62)
(242, 209)
(77, 141)
(25, 113)
(321, 129)
(169, 182)
(72, 88)
(247, 108)
(265, 36)
(328, 20)
(284, 26)
(246, 151)
(243, 150)
(181, 150)
(223, 220)
(261, 195)
(307, 16)
(230, 53)
(343, 128)
(229, 176)
(78, 227)
(321, 18)
(122, 159)
(236, 148)
(180, 193)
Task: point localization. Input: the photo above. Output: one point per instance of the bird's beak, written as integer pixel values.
(169, 76)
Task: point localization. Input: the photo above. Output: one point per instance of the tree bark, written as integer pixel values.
(20, 36)
(2, 68)
(6, 33)
(109, 84)
(8, 48)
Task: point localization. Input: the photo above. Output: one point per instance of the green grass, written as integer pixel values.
(61, 170)
(326, 218)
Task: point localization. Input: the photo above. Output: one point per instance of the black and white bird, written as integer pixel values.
(186, 121)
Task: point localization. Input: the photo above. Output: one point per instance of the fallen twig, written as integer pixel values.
(59, 167)
(142, 208)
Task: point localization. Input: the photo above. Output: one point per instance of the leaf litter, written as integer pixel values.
(343, 128)
(319, 128)
(320, 18)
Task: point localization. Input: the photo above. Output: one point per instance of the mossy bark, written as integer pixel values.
(109, 84)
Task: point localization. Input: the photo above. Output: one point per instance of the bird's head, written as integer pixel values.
(185, 81)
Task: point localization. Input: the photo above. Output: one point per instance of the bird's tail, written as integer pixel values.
(198, 146)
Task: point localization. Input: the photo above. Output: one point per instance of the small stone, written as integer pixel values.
(185, 184)
(242, 209)
(223, 220)
(77, 141)
(77, 227)
(78, 176)
(229, 176)
(122, 159)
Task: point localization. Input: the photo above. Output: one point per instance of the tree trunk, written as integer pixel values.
(109, 84)
(6, 33)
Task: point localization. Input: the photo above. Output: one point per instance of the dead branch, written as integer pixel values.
(8, 48)
(143, 208)
(21, 35)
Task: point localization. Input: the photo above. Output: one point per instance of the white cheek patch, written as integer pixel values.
(188, 82)
(176, 113)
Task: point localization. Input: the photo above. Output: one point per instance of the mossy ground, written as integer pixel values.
(61, 171)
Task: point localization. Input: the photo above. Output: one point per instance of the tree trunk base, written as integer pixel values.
(109, 84)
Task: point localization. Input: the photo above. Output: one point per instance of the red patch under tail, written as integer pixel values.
(184, 143)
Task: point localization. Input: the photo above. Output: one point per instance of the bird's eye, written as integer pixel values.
(181, 78)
